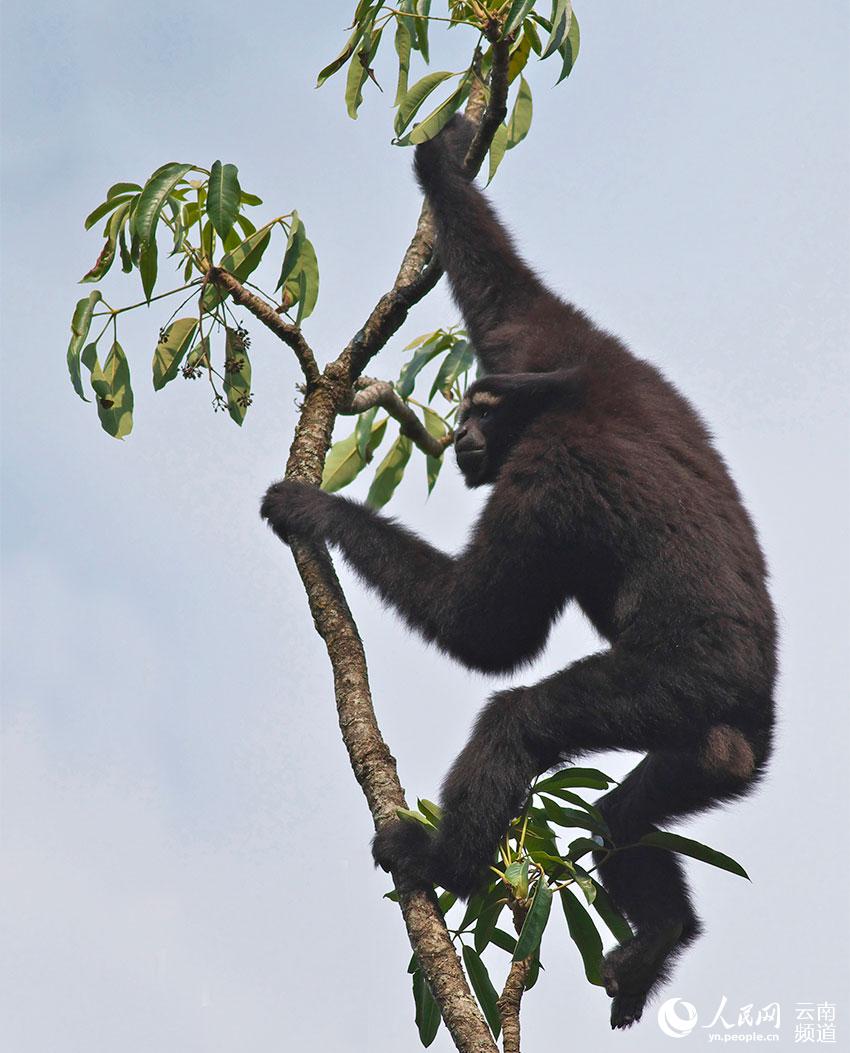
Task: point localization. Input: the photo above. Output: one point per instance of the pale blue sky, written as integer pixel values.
(185, 851)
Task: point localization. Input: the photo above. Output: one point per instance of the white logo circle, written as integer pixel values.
(671, 1023)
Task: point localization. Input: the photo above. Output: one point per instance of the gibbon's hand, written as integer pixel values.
(295, 509)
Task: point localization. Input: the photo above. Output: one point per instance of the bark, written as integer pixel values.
(326, 394)
(511, 997)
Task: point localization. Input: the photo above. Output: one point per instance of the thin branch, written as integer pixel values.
(494, 113)
(381, 393)
(511, 997)
(289, 334)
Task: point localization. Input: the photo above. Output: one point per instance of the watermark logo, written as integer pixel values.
(677, 1018)
(815, 1022)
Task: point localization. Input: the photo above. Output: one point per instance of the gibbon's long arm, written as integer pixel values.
(490, 607)
(504, 303)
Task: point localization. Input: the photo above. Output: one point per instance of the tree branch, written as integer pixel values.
(381, 393)
(374, 767)
(289, 334)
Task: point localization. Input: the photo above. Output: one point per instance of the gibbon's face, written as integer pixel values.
(475, 439)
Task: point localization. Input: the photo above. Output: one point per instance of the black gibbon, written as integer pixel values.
(606, 492)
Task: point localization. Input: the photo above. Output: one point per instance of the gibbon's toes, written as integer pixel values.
(626, 1010)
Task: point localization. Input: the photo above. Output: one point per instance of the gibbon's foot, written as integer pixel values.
(406, 851)
(626, 1010)
(631, 971)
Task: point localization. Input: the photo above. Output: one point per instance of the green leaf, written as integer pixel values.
(555, 866)
(147, 267)
(433, 345)
(617, 924)
(484, 990)
(686, 847)
(106, 207)
(299, 273)
(360, 68)
(503, 940)
(456, 362)
(344, 461)
(516, 15)
(516, 875)
(569, 50)
(170, 352)
(533, 973)
(579, 802)
(476, 904)
(403, 41)
(498, 146)
(432, 811)
(245, 258)
(581, 846)
(122, 188)
(591, 778)
(530, 31)
(423, 7)
(249, 199)
(434, 123)
(436, 427)
(200, 354)
(363, 431)
(412, 101)
(571, 817)
(80, 325)
(342, 57)
(126, 259)
(521, 114)
(241, 263)
(114, 227)
(389, 473)
(237, 377)
(584, 936)
(446, 901)
(409, 815)
(152, 200)
(535, 922)
(427, 1011)
(113, 390)
(223, 197)
(519, 55)
(486, 925)
(562, 12)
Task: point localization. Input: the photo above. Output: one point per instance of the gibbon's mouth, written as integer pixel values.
(469, 460)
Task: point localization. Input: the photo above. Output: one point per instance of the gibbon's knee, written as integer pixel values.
(726, 753)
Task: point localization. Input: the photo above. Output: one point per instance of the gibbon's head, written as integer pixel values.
(496, 411)
(483, 436)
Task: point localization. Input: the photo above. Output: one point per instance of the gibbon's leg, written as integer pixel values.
(648, 884)
(614, 700)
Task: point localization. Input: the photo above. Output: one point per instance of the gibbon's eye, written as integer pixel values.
(484, 414)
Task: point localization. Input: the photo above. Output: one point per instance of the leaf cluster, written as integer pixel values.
(529, 872)
(517, 22)
(204, 213)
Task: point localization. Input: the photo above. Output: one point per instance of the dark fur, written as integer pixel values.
(607, 491)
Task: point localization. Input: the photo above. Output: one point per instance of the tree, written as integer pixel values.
(219, 249)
